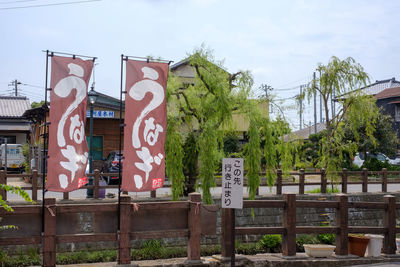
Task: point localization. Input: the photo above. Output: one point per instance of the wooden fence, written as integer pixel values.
(341, 229)
(138, 221)
(381, 178)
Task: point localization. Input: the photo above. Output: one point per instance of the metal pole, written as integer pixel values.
(90, 190)
(233, 238)
(315, 106)
(320, 99)
(120, 145)
(44, 147)
(5, 155)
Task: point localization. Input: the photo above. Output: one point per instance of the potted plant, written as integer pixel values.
(319, 250)
(358, 244)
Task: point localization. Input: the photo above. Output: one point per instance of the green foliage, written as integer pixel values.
(253, 157)
(373, 164)
(25, 152)
(305, 239)
(207, 155)
(231, 144)
(326, 238)
(37, 104)
(206, 104)
(335, 190)
(271, 243)
(15, 190)
(174, 157)
(341, 78)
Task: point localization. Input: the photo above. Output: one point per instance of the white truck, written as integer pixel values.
(14, 159)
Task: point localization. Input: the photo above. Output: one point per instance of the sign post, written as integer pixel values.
(232, 192)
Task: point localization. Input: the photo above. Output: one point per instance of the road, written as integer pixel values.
(165, 192)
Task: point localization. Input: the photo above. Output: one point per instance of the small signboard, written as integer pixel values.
(100, 114)
(232, 183)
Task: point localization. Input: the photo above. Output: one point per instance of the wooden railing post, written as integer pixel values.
(124, 247)
(289, 223)
(65, 195)
(323, 181)
(49, 235)
(226, 235)
(194, 222)
(389, 222)
(34, 184)
(3, 180)
(96, 183)
(341, 221)
(344, 180)
(364, 180)
(153, 194)
(384, 180)
(301, 180)
(279, 182)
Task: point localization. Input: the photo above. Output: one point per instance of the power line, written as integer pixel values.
(55, 4)
(20, 1)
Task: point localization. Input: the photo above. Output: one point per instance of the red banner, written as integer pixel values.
(145, 126)
(68, 149)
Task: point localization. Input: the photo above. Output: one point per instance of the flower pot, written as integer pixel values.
(358, 245)
(374, 246)
(318, 250)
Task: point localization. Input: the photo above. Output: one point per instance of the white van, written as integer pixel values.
(15, 158)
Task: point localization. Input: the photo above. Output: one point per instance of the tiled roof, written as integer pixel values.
(388, 93)
(13, 106)
(375, 88)
(379, 86)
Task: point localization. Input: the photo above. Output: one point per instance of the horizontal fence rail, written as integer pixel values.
(341, 228)
(137, 221)
(358, 177)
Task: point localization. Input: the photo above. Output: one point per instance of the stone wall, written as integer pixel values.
(244, 218)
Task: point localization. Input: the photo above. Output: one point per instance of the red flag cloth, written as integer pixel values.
(145, 126)
(68, 149)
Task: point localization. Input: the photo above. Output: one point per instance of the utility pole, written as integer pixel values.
(315, 105)
(15, 83)
(267, 88)
(301, 107)
(320, 99)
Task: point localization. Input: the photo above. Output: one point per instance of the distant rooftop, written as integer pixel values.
(388, 93)
(13, 106)
(305, 132)
(379, 86)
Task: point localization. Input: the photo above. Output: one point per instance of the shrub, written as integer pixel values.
(271, 243)
(326, 238)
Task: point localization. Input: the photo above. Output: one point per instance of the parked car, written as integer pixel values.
(14, 158)
(359, 158)
(111, 165)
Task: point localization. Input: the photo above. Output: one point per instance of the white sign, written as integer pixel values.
(232, 183)
(100, 114)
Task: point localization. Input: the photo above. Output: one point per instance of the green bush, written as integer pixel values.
(327, 238)
(271, 243)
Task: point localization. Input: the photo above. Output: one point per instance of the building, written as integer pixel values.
(389, 101)
(14, 128)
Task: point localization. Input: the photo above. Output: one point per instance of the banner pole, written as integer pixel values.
(121, 125)
(45, 132)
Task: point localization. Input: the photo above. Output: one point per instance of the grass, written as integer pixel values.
(329, 190)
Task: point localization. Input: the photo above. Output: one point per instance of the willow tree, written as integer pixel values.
(205, 105)
(340, 79)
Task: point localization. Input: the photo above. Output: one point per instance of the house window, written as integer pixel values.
(397, 112)
(10, 139)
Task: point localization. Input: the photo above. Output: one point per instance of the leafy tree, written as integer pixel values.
(37, 104)
(341, 78)
(206, 106)
(384, 140)
(3, 204)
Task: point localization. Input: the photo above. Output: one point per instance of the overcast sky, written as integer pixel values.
(280, 42)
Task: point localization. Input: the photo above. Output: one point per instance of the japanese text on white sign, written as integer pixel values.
(232, 183)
